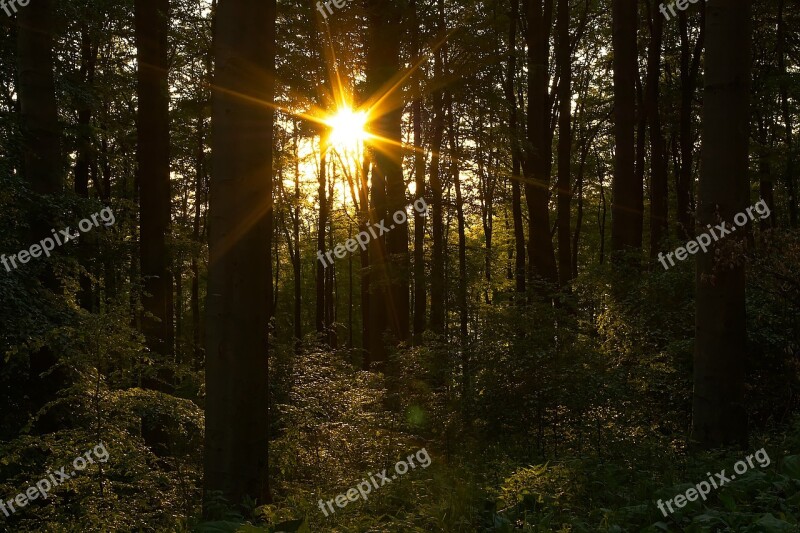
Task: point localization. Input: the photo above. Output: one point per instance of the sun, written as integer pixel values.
(347, 129)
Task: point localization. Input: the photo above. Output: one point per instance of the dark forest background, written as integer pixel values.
(523, 331)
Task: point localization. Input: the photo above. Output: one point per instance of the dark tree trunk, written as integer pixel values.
(719, 416)
(537, 161)
(199, 203)
(296, 266)
(564, 143)
(240, 247)
(389, 253)
(420, 288)
(321, 246)
(627, 211)
(41, 167)
(659, 193)
(789, 177)
(690, 65)
(83, 161)
(438, 282)
(765, 180)
(153, 171)
(516, 175)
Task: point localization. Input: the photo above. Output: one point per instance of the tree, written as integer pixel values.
(152, 132)
(240, 247)
(41, 166)
(690, 67)
(516, 190)
(420, 287)
(564, 142)
(389, 255)
(627, 210)
(659, 191)
(438, 283)
(536, 164)
(37, 100)
(719, 416)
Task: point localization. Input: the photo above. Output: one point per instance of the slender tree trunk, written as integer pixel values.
(199, 203)
(765, 173)
(153, 171)
(659, 193)
(438, 282)
(83, 161)
(240, 246)
(626, 208)
(461, 221)
(330, 275)
(366, 276)
(420, 288)
(296, 256)
(789, 177)
(516, 174)
(321, 225)
(690, 65)
(719, 416)
(564, 143)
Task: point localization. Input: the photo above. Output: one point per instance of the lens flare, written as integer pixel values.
(347, 129)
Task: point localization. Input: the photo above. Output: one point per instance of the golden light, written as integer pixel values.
(347, 129)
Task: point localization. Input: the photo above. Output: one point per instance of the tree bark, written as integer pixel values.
(321, 225)
(41, 167)
(240, 246)
(789, 177)
(719, 416)
(627, 210)
(564, 143)
(516, 175)
(659, 193)
(153, 171)
(420, 287)
(438, 282)
(537, 161)
(690, 65)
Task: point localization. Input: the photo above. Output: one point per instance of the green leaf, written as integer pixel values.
(791, 466)
(770, 524)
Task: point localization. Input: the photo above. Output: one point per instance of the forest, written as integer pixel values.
(399, 266)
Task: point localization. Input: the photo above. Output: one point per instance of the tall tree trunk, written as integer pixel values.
(627, 210)
(240, 246)
(659, 191)
(41, 138)
(389, 253)
(537, 161)
(84, 160)
(719, 416)
(330, 275)
(516, 175)
(366, 276)
(438, 282)
(690, 65)
(420, 288)
(765, 183)
(789, 177)
(564, 143)
(321, 225)
(199, 203)
(461, 221)
(152, 156)
(296, 265)
(41, 166)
